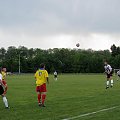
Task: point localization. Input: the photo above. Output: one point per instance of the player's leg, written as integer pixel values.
(43, 98)
(107, 84)
(39, 98)
(5, 101)
(117, 77)
(43, 94)
(38, 95)
(108, 81)
(111, 81)
(55, 77)
(6, 88)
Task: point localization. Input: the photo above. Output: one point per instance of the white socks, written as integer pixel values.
(109, 82)
(112, 82)
(5, 101)
(55, 79)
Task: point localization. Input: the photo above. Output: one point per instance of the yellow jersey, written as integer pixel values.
(3, 75)
(41, 77)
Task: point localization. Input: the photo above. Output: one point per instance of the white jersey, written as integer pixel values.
(108, 68)
(118, 72)
(0, 78)
(55, 73)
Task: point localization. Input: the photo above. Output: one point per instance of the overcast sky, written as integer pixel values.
(48, 24)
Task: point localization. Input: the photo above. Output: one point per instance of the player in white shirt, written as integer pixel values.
(2, 89)
(55, 75)
(1, 85)
(109, 72)
(118, 74)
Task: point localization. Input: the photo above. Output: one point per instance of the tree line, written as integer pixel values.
(63, 60)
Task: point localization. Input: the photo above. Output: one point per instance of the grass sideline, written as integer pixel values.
(72, 95)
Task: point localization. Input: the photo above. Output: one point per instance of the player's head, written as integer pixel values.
(42, 65)
(105, 63)
(4, 69)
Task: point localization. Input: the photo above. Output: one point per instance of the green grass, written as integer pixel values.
(71, 95)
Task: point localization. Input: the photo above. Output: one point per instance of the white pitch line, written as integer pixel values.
(87, 114)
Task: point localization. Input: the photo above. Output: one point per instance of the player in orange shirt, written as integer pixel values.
(41, 77)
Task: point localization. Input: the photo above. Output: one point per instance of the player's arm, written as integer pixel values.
(105, 71)
(46, 75)
(47, 80)
(109, 69)
(35, 75)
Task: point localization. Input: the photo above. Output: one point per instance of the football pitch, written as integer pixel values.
(72, 97)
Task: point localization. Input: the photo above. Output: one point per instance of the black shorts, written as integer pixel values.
(55, 76)
(109, 75)
(1, 90)
(119, 75)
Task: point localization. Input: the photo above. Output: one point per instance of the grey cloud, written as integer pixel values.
(61, 16)
(39, 20)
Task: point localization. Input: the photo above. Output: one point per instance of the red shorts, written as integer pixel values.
(41, 88)
(4, 82)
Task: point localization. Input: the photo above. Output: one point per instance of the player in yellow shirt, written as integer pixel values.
(4, 85)
(3, 72)
(41, 77)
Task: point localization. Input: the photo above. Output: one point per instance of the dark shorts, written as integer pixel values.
(1, 90)
(55, 76)
(119, 75)
(109, 75)
(41, 88)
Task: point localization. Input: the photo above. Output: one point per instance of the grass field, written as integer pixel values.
(72, 95)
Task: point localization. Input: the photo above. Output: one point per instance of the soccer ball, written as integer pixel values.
(77, 45)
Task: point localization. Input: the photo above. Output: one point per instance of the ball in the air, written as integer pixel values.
(77, 45)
